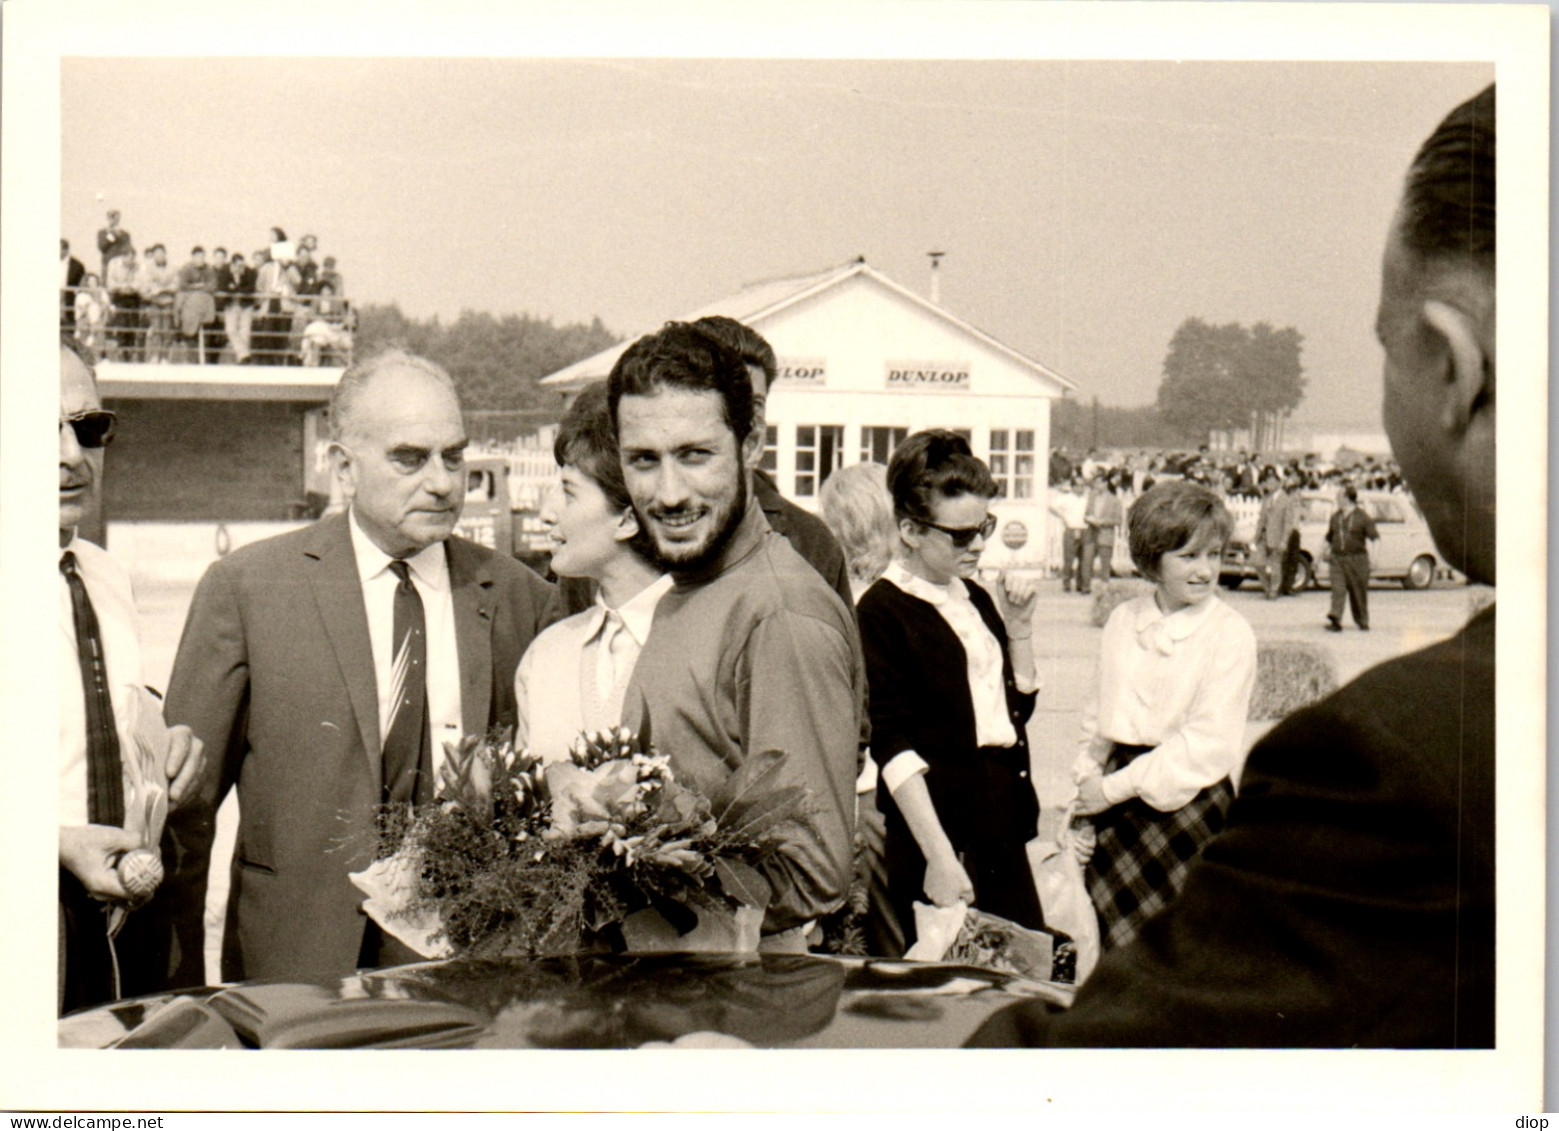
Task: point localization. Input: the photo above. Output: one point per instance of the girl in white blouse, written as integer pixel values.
(1163, 738)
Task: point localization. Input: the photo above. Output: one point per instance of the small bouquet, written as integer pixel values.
(965, 934)
(143, 752)
(606, 849)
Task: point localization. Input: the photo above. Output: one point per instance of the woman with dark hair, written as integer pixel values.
(952, 688)
(1163, 736)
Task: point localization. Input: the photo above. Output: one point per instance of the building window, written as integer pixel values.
(819, 453)
(1012, 462)
(770, 448)
(879, 440)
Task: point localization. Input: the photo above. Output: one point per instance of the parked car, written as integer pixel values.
(1405, 551)
(600, 1001)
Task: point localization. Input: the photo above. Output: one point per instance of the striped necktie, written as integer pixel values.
(105, 780)
(408, 753)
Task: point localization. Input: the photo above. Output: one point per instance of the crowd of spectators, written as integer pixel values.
(281, 306)
(1233, 474)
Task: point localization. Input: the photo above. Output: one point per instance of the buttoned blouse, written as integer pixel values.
(558, 689)
(1179, 683)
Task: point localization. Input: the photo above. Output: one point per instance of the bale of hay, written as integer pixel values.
(1290, 674)
(1107, 597)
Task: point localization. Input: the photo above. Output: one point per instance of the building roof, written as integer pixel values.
(756, 302)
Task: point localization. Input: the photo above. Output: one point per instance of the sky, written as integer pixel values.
(1085, 208)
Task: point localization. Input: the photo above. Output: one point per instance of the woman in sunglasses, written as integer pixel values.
(951, 673)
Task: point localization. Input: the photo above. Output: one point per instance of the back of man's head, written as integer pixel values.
(1448, 203)
(746, 341)
(682, 357)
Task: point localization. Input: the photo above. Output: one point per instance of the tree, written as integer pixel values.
(1227, 378)
(495, 361)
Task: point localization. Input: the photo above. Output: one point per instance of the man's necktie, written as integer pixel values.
(408, 754)
(105, 781)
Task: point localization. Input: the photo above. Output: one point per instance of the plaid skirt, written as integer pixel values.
(1143, 854)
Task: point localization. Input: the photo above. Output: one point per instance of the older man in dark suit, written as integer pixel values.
(325, 668)
(1350, 900)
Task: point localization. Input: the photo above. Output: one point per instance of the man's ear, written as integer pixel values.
(344, 467)
(1471, 374)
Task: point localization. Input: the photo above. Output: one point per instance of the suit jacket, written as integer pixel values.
(808, 535)
(1350, 900)
(275, 674)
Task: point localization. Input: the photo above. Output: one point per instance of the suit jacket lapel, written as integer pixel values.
(338, 595)
(471, 586)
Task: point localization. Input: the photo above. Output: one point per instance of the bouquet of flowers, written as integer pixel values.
(605, 850)
(965, 934)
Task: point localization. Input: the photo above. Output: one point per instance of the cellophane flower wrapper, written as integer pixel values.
(519, 857)
(143, 756)
(967, 935)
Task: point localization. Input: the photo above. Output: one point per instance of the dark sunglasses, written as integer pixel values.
(93, 429)
(962, 536)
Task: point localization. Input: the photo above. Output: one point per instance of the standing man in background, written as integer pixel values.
(113, 241)
(1348, 536)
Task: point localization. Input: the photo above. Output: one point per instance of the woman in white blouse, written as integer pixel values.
(1163, 737)
(952, 688)
(571, 679)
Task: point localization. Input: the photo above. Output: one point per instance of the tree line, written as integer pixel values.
(496, 361)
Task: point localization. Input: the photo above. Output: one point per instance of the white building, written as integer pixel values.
(863, 362)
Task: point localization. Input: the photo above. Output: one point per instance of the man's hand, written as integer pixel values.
(1090, 796)
(946, 881)
(90, 852)
(186, 764)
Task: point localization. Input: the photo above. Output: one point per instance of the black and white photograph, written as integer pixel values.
(956, 533)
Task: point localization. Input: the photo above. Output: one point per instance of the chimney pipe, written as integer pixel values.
(936, 289)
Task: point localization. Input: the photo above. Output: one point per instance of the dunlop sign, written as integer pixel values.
(803, 371)
(951, 377)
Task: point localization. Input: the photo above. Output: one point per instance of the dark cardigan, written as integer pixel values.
(916, 672)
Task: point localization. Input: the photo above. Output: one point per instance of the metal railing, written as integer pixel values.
(205, 328)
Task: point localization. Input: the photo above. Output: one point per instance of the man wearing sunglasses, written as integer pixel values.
(99, 667)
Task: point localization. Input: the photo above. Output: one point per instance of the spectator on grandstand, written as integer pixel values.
(71, 272)
(272, 322)
(307, 271)
(89, 310)
(235, 301)
(330, 275)
(282, 250)
(159, 282)
(124, 293)
(113, 241)
(327, 336)
(194, 305)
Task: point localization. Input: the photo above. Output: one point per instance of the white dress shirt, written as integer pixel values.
(108, 587)
(568, 681)
(982, 668)
(1179, 683)
(429, 569)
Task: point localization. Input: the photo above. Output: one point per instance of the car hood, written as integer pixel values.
(580, 1001)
